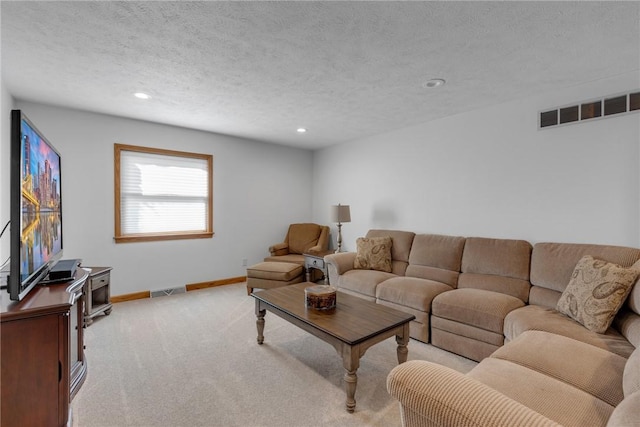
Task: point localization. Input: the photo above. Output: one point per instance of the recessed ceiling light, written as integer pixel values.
(141, 95)
(301, 130)
(433, 83)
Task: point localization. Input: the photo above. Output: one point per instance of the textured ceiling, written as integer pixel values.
(343, 70)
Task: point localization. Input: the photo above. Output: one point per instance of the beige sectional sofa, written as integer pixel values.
(423, 266)
(538, 379)
(494, 301)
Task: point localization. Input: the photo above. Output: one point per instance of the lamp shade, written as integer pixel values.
(340, 213)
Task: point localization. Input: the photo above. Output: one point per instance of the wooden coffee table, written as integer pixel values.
(351, 328)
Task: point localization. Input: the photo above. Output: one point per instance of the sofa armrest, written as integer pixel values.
(434, 395)
(627, 413)
(279, 249)
(338, 264)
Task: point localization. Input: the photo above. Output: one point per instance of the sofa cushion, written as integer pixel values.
(538, 318)
(631, 381)
(553, 263)
(544, 297)
(374, 253)
(568, 360)
(498, 257)
(363, 282)
(411, 292)
(561, 402)
(482, 309)
(505, 285)
(436, 257)
(498, 265)
(472, 332)
(596, 292)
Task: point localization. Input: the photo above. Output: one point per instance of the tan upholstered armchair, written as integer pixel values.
(305, 238)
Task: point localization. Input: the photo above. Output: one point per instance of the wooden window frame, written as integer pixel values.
(157, 236)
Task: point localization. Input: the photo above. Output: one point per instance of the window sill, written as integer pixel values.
(152, 237)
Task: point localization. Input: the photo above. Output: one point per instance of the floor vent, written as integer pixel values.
(167, 292)
(608, 106)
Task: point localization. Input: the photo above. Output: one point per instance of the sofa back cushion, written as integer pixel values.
(436, 257)
(400, 247)
(498, 265)
(553, 263)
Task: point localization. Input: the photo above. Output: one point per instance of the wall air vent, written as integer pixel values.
(167, 292)
(593, 109)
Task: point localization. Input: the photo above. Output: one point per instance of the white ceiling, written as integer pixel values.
(344, 70)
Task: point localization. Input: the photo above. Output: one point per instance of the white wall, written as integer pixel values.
(488, 172)
(492, 173)
(259, 189)
(6, 105)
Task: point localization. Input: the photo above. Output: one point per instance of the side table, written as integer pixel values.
(98, 293)
(317, 262)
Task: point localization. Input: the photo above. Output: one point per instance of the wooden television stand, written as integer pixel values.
(43, 364)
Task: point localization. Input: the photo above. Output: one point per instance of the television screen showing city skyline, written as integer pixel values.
(41, 218)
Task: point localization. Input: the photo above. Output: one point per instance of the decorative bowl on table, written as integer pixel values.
(320, 297)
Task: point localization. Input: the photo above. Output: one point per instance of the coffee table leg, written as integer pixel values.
(351, 381)
(403, 340)
(260, 322)
(350, 362)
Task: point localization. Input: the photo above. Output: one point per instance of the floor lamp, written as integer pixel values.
(340, 213)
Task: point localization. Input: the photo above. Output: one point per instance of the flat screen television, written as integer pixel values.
(36, 206)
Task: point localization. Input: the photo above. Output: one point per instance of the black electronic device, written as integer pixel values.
(64, 269)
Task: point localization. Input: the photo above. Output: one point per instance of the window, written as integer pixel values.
(162, 194)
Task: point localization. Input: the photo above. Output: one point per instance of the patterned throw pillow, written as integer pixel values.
(374, 253)
(596, 292)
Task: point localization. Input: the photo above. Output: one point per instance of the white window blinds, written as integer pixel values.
(163, 193)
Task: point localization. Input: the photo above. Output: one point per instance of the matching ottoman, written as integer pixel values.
(267, 275)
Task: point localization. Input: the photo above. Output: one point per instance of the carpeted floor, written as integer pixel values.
(192, 360)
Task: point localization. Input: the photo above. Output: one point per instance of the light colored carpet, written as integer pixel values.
(192, 360)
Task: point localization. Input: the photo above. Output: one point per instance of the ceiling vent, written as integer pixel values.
(590, 110)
